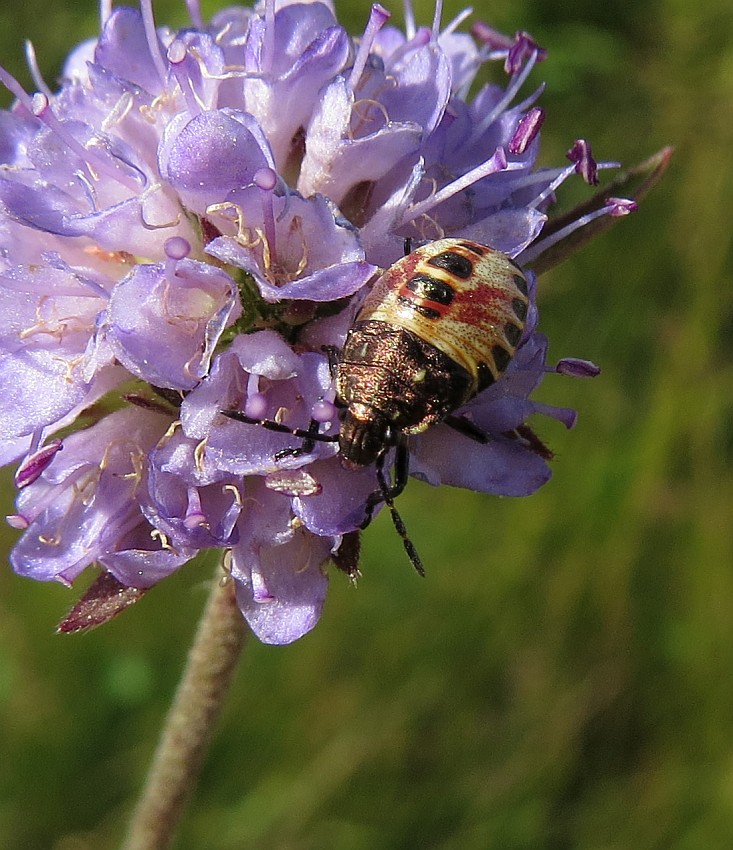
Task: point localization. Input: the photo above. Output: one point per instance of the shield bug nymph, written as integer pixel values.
(438, 326)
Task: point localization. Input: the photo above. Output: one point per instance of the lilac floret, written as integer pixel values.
(280, 603)
(188, 227)
(163, 323)
(84, 503)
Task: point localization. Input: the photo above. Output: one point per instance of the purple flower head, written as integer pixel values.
(190, 224)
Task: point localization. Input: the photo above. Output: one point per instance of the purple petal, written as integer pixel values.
(339, 507)
(308, 52)
(205, 157)
(329, 268)
(423, 87)
(335, 160)
(281, 589)
(141, 561)
(163, 323)
(502, 467)
(509, 231)
(123, 50)
(84, 503)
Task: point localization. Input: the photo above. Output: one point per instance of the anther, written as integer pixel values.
(527, 130)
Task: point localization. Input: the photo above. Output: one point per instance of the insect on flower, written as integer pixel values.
(438, 327)
(212, 233)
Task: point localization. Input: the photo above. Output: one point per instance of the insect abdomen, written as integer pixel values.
(465, 299)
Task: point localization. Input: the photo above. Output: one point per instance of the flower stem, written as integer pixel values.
(189, 726)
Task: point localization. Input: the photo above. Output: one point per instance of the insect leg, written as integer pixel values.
(397, 521)
(309, 437)
(467, 428)
(522, 433)
(401, 476)
(531, 440)
(333, 358)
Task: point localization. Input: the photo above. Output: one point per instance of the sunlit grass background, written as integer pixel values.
(563, 678)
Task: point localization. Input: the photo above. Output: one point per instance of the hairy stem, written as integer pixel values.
(190, 723)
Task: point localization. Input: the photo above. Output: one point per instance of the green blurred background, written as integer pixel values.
(563, 678)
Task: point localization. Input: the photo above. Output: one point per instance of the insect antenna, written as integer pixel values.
(397, 519)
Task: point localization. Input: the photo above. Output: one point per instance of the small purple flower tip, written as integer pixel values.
(524, 49)
(379, 14)
(39, 104)
(265, 179)
(585, 165)
(324, 411)
(177, 248)
(256, 406)
(177, 52)
(621, 206)
(577, 368)
(527, 130)
(17, 521)
(34, 464)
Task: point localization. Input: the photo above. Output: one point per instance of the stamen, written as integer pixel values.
(613, 207)
(268, 46)
(30, 58)
(516, 83)
(176, 248)
(409, 13)
(617, 207)
(561, 176)
(194, 10)
(105, 12)
(378, 17)
(527, 103)
(524, 47)
(35, 463)
(492, 38)
(527, 129)
(457, 21)
(41, 108)
(493, 165)
(437, 16)
(577, 368)
(154, 46)
(585, 165)
(14, 87)
(177, 55)
(266, 179)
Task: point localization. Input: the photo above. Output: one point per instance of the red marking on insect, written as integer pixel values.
(419, 300)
